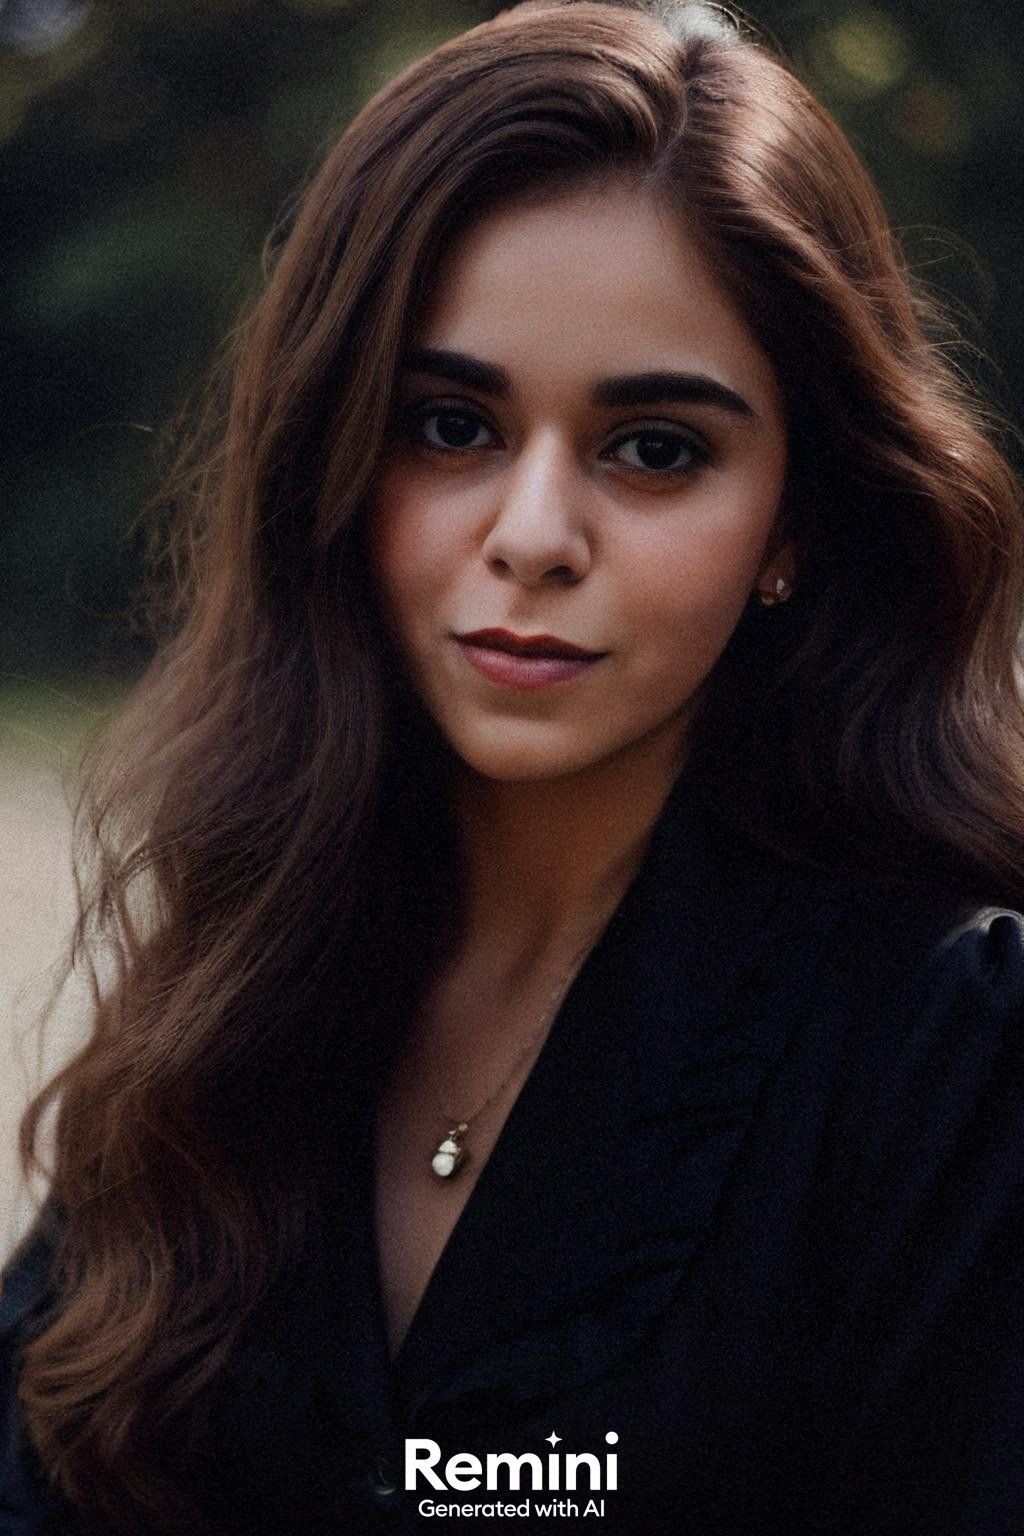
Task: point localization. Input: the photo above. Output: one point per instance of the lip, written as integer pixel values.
(525, 662)
(527, 645)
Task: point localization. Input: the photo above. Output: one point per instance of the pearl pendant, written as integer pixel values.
(450, 1155)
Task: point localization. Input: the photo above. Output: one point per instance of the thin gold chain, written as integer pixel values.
(550, 1009)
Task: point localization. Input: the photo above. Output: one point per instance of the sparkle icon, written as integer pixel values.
(553, 1439)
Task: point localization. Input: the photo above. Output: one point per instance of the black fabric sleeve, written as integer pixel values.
(28, 1505)
(926, 1347)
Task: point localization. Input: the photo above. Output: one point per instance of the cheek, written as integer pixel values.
(402, 545)
(686, 595)
(418, 528)
(706, 570)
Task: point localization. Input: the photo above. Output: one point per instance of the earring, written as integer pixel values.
(780, 593)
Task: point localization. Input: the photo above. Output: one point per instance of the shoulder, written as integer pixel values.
(905, 995)
(25, 1284)
(931, 950)
(27, 1505)
(964, 1013)
(980, 957)
(919, 1021)
(921, 978)
(870, 950)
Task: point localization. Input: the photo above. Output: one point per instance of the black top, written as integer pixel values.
(757, 1210)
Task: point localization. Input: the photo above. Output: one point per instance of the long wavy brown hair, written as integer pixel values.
(268, 813)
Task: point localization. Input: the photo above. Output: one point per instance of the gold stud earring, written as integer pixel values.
(779, 593)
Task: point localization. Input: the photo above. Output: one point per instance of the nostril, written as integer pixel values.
(533, 572)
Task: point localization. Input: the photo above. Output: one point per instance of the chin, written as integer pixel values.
(511, 759)
(519, 759)
(520, 767)
(521, 752)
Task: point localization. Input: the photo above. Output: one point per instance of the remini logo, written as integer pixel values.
(547, 1478)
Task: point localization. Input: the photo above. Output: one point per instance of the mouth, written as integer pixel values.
(525, 662)
(548, 646)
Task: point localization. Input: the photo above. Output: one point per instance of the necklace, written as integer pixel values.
(451, 1154)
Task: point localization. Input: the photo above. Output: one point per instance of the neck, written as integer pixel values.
(543, 859)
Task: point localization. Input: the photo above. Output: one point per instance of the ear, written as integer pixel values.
(777, 575)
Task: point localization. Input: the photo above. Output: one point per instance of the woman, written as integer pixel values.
(566, 864)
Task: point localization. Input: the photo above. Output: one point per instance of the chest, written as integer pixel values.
(594, 1170)
(415, 1210)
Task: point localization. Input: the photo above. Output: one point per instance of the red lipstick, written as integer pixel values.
(527, 662)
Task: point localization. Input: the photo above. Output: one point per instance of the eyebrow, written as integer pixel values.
(627, 389)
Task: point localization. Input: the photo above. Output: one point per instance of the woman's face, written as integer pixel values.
(582, 482)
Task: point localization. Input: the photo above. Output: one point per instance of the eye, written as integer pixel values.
(451, 428)
(659, 451)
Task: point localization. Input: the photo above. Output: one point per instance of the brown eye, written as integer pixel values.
(454, 428)
(659, 451)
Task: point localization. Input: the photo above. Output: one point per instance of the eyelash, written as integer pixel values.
(416, 418)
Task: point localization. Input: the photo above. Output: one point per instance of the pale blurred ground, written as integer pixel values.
(41, 731)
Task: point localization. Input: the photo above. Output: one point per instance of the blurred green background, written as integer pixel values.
(147, 146)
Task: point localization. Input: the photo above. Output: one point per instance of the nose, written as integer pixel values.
(539, 534)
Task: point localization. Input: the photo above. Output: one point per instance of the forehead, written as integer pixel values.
(589, 283)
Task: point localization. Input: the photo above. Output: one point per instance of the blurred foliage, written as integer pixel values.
(148, 146)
